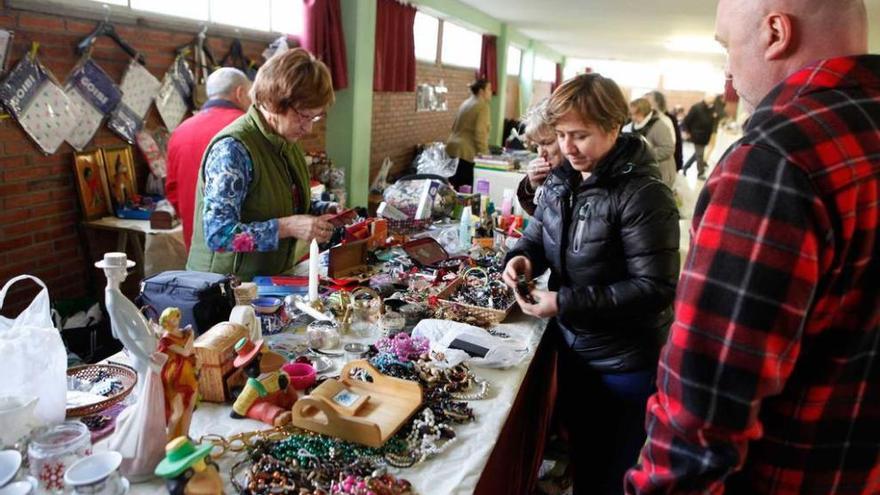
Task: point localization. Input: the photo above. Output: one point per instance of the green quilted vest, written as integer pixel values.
(279, 168)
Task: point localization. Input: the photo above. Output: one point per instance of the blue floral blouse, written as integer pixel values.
(228, 174)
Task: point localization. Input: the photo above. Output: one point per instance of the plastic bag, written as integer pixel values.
(139, 88)
(93, 95)
(41, 107)
(502, 353)
(171, 102)
(380, 183)
(140, 429)
(34, 359)
(434, 160)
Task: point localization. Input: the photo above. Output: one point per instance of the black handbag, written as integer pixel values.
(204, 299)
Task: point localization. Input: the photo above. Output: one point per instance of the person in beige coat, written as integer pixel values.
(646, 121)
(470, 132)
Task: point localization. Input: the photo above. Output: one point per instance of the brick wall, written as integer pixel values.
(398, 128)
(39, 209)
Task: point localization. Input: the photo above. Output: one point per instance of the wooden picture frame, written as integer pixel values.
(91, 184)
(121, 178)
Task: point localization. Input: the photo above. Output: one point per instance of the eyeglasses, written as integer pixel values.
(311, 118)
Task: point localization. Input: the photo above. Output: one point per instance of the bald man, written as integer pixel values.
(228, 98)
(770, 379)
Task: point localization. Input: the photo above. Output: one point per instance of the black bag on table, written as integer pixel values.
(204, 299)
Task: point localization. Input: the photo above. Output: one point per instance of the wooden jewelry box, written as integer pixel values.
(216, 351)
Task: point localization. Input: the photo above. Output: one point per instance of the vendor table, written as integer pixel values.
(167, 243)
(497, 453)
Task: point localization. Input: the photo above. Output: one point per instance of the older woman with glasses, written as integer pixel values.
(542, 135)
(254, 212)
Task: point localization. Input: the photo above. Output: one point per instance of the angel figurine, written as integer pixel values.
(180, 373)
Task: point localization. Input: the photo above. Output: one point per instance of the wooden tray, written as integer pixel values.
(484, 316)
(377, 409)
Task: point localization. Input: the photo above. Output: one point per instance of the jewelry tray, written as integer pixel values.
(381, 408)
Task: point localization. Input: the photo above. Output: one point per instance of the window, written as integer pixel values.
(545, 70)
(425, 30)
(514, 57)
(687, 75)
(461, 47)
(281, 16)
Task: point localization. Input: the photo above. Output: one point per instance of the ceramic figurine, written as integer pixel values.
(128, 324)
(180, 373)
(266, 397)
(189, 470)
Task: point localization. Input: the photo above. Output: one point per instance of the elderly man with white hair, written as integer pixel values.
(228, 98)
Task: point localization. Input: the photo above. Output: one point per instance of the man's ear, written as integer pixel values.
(778, 35)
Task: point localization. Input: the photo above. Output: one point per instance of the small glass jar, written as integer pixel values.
(392, 323)
(323, 334)
(55, 448)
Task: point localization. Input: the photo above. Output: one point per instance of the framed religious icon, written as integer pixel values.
(121, 179)
(91, 183)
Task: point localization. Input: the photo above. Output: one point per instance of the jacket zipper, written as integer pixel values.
(579, 232)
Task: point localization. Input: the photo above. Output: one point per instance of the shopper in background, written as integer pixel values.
(770, 380)
(658, 104)
(228, 98)
(254, 212)
(646, 123)
(699, 124)
(470, 132)
(607, 229)
(542, 135)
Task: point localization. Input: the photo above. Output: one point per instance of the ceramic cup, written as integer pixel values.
(55, 448)
(96, 474)
(18, 488)
(10, 462)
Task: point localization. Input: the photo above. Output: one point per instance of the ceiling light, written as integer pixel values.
(695, 44)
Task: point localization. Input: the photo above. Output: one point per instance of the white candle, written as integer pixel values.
(314, 266)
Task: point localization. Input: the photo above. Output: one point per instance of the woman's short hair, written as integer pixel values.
(478, 85)
(293, 79)
(641, 105)
(535, 122)
(595, 98)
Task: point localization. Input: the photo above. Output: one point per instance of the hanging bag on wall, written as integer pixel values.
(235, 57)
(33, 96)
(174, 92)
(93, 96)
(34, 359)
(139, 88)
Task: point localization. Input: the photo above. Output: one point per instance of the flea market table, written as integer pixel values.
(499, 453)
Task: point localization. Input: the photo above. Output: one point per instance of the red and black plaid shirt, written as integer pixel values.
(770, 379)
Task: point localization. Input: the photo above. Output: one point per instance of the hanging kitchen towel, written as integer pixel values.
(93, 96)
(139, 87)
(40, 106)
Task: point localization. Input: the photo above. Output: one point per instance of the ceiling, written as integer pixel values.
(635, 30)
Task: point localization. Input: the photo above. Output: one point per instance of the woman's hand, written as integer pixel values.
(538, 170)
(545, 307)
(305, 227)
(516, 266)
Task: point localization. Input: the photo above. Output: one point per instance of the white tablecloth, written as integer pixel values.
(455, 471)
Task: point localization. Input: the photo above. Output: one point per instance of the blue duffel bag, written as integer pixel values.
(204, 299)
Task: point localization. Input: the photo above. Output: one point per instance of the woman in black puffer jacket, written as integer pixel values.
(607, 228)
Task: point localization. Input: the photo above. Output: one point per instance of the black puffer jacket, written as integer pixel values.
(611, 243)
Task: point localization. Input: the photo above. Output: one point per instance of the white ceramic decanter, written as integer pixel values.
(128, 324)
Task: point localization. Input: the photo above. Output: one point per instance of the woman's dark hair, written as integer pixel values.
(659, 100)
(478, 85)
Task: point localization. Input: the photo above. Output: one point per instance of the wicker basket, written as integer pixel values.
(126, 375)
(468, 313)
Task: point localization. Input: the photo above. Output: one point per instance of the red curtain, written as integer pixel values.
(558, 81)
(489, 62)
(395, 65)
(323, 37)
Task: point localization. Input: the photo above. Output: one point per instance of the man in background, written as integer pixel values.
(228, 97)
(699, 125)
(770, 379)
